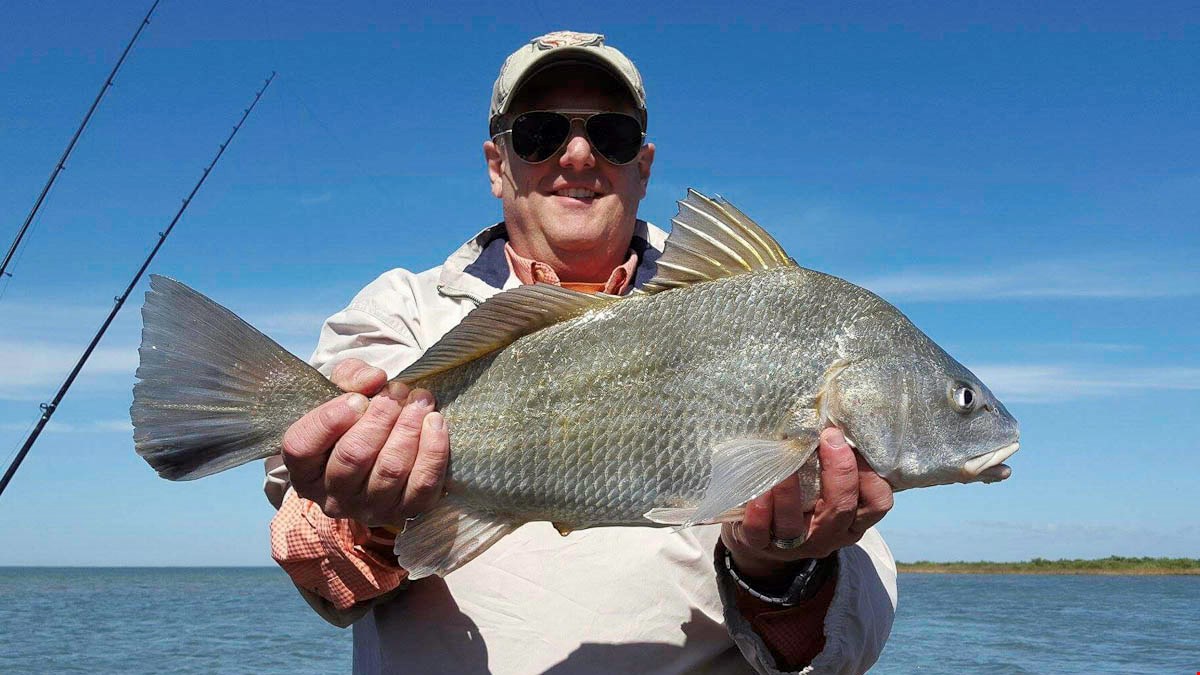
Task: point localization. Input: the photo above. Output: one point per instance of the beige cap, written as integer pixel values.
(562, 46)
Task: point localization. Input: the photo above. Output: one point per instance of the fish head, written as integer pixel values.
(919, 418)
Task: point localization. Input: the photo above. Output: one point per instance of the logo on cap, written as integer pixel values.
(568, 38)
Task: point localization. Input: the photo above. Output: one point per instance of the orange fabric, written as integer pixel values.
(331, 557)
(535, 272)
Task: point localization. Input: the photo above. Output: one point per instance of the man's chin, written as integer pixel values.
(578, 239)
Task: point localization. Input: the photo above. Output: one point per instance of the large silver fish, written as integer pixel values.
(672, 406)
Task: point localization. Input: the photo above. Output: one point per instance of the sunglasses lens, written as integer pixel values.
(617, 136)
(538, 135)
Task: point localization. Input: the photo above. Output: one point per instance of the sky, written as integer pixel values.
(1021, 179)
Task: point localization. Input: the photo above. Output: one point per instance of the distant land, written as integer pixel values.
(1110, 565)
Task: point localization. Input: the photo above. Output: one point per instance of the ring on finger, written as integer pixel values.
(788, 544)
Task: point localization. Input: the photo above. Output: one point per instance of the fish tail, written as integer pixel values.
(213, 392)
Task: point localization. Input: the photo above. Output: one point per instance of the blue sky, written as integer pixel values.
(1020, 179)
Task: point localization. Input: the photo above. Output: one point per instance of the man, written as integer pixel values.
(779, 591)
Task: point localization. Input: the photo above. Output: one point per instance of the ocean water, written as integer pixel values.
(249, 620)
(162, 620)
(1010, 623)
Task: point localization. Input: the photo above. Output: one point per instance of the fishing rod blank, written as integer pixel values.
(62, 161)
(49, 408)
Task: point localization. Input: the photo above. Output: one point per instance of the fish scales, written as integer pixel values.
(681, 372)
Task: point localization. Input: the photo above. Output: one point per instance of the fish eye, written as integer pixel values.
(965, 398)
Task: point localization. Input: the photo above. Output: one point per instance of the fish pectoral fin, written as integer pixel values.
(682, 516)
(744, 468)
(447, 537)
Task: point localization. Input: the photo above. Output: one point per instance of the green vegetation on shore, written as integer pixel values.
(1110, 565)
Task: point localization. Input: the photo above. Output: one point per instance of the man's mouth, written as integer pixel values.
(576, 193)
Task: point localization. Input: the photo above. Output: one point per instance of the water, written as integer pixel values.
(966, 623)
(156, 620)
(250, 620)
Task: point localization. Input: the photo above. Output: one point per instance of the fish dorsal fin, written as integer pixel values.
(500, 321)
(711, 239)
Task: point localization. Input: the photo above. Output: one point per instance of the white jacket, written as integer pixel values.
(601, 600)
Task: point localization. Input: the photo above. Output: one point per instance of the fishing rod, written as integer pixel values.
(62, 161)
(49, 408)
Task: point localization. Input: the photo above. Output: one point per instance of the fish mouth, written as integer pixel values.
(987, 468)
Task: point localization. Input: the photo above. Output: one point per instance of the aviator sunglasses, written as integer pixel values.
(538, 134)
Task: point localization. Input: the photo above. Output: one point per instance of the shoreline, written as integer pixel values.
(1111, 566)
(951, 569)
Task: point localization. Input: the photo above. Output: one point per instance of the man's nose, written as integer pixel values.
(578, 154)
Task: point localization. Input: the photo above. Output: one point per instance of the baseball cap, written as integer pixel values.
(557, 48)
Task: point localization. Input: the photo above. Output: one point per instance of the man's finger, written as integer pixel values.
(387, 485)
(355, 453)
(839, 482)
(425, 483)
(788, 521)
(874, 498)
(407, 431)
(756, 524)
(355, 375)
(307, 442)
(394, 465)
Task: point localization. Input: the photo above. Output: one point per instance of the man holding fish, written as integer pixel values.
(779, 586)
(707, 395)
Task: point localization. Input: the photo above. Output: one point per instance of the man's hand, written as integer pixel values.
(378, 461)
(853, 498)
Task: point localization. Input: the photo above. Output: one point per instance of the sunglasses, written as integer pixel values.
(539, 134)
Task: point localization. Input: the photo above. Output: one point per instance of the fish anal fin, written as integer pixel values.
(447, 537)
(683, 516)
(563, 528)
(501, 320)
(711, 239)
(744, 468)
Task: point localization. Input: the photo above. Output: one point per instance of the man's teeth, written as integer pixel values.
(576, 193)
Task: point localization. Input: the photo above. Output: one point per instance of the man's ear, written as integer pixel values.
(644, 161)
(495, 165)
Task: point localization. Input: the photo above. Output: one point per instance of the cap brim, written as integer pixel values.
(566, 56)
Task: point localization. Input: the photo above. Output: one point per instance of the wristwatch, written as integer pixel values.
(809, 579)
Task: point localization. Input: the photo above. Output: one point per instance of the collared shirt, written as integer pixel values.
(536, 272)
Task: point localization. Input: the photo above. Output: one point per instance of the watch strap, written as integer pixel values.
(809, 578)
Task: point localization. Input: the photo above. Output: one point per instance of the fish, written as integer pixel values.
(671, 406)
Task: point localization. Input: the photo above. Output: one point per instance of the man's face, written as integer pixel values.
(542, 203)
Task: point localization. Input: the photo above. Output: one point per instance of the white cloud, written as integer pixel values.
(114, 426)
(1049, 382)
(52, 313)
(1017, 540)
(1099, 346)
(1045, 279)
(34, 369)
(122, 426)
